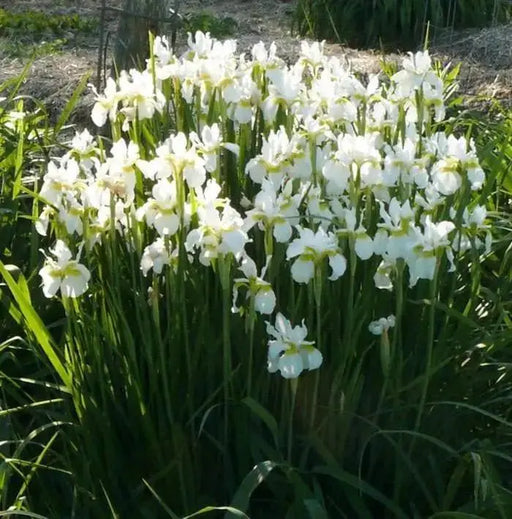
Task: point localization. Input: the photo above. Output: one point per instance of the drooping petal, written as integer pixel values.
(76, 283)
(272, 364)
(291, 365)
(195, 175)
(380, 242)
(421, 267)
(338, 265)
(295, 248)
(256, 170)
(364, 246)
(282, 232)
(265, 301)
(233, 241)
(445, 180)
(477, 177)
(377, 327)
(99, 114)
(51, 282)
(166, 223)
(303, 270)
(311, 357)
(275, 349)
(193, 239)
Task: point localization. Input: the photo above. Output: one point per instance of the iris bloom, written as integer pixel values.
(260, 290)
(473, 226)
(397, 221)
(288, 351)
(284, 89)
(139, 97)
(59, 180)
(63, 273)
(156, 256)
(401, 163)
(363, 244)
(161, 210)
(274, 159)
(106, 104)
(217, 234)
(433, 238)
(175, 157)
(360, 153)
(311, 249)
(417, 71)
(456, 158)
(117, 174)
(273, 211)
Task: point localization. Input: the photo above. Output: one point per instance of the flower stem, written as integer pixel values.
(430, 347)
(350, 298)
(293, 392)
(251, 319)
(318, 305)
(224, 268)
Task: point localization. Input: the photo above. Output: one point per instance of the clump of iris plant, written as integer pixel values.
(337, 171)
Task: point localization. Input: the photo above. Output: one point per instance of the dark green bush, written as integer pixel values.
(398, 23)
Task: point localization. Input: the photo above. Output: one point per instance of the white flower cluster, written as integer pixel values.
(340, 169)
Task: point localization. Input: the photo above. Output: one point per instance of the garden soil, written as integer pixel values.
(486, 54)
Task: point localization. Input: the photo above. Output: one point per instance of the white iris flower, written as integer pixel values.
(311, 249)
(64, 273)
(289, 352)
(260, 290)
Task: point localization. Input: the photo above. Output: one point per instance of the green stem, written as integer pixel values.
(161, 351)
(396, 351)
(350, 298)
(224, 270)
(251, 347)
(318, 305)
(226, 341)
(293, 390)
(430, 348)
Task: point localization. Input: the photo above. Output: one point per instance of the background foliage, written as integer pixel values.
(393, 23)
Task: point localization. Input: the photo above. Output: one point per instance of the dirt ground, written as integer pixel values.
(486, 54)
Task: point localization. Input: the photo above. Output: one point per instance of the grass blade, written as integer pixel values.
(35, 325)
